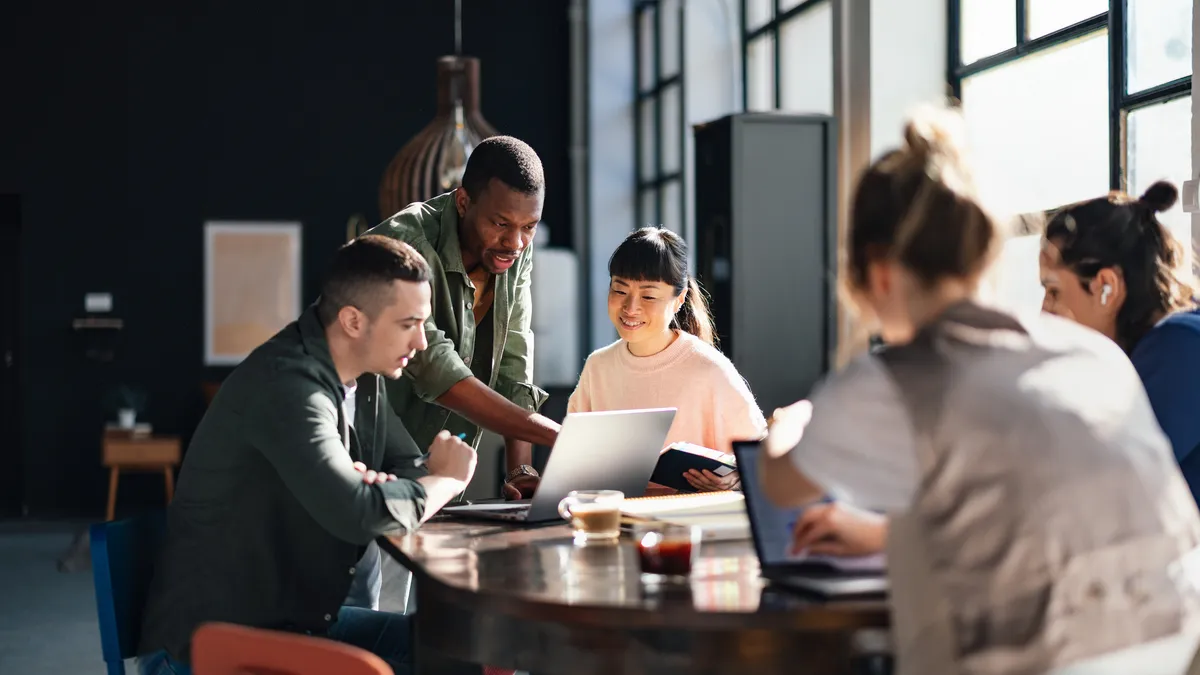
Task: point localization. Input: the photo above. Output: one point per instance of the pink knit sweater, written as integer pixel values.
(715, 405)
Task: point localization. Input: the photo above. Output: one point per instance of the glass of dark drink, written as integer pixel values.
(666, 550)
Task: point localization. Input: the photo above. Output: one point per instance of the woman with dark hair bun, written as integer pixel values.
(1110, 264)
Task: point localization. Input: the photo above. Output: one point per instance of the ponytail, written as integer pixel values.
(693, 316)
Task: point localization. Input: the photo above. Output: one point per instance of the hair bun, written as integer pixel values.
(935, 131)
(1160, 196)
(936, 140)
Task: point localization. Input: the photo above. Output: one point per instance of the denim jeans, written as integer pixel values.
(385, 634)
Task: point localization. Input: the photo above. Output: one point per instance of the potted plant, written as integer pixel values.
(128, 402)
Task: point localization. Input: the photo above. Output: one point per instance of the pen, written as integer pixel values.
(420, 461)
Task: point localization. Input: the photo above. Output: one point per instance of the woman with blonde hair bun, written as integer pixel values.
(1034, 518)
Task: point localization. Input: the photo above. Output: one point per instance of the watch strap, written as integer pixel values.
(522, 470)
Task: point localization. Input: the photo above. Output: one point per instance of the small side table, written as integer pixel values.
(124, 451)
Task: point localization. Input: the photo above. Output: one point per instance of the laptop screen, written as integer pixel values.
(770, 525)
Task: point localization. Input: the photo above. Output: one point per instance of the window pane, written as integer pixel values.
(758, 12)
(1013, 281)
(1046, 16)
(672, 207)
(670, 138)
(648, 170)
(1158, 147)
(987, 27)
(785, 5)
(669, 47)
(1159, 42)
(760, 74)
(649, 215)
(1038, 127)
(806, 61)
(646, 47)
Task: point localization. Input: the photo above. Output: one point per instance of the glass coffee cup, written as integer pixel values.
(594, 514)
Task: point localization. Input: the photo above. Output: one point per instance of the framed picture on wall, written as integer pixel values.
(251, 286)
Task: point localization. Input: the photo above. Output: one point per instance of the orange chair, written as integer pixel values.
(226, 649)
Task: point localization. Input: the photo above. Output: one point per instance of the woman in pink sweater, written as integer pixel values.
(665, 357)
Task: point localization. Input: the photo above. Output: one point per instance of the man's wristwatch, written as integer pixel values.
(523, 470)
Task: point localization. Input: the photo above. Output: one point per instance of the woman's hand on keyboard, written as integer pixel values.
(839, 530)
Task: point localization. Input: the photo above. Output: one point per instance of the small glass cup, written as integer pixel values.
(593, 514)
(666, 551)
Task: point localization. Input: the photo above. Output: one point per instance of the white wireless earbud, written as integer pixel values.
(1105, 291)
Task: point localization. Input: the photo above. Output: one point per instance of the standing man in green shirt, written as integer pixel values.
(478, 369)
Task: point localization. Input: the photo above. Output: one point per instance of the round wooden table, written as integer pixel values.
(533, 600)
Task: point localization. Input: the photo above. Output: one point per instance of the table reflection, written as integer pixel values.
(546, 563)
(531, 599)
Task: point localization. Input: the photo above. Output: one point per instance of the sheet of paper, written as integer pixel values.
(716, 527)
(692, 504)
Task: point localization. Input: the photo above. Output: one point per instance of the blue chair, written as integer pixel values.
(123, 557)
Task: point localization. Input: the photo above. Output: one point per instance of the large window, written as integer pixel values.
(659, 134)
(787, 55)
(1066, 99)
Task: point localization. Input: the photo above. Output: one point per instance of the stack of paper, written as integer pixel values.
(719, 515)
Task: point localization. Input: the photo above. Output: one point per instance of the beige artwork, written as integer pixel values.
(252, 286)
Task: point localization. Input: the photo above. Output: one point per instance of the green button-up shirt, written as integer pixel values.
(270, 518)
(432, 229)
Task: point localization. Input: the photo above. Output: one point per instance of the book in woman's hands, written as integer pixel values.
(678, 458)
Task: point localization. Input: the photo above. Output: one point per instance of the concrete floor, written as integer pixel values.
(48, 618)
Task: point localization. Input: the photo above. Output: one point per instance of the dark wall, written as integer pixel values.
(127, 125)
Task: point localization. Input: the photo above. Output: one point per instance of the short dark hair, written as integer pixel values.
(363, 270)
(507, 159)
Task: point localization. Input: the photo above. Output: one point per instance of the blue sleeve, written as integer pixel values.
(1168, 361)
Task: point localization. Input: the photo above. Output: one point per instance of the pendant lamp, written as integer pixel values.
(432, 162)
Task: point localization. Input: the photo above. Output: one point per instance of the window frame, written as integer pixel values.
(652, 96)
(1120, 101)
(772, 28)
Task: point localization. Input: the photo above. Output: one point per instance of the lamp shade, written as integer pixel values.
(432, 162)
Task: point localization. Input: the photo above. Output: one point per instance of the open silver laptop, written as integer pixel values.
(614, 450)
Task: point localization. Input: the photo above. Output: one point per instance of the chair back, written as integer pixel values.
(226, 649)
(123, 557)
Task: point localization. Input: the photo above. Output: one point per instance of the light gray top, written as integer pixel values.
(859, 444)
(1038, 517)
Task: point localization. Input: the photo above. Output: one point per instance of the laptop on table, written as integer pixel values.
(614, 450)
(771, 528)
